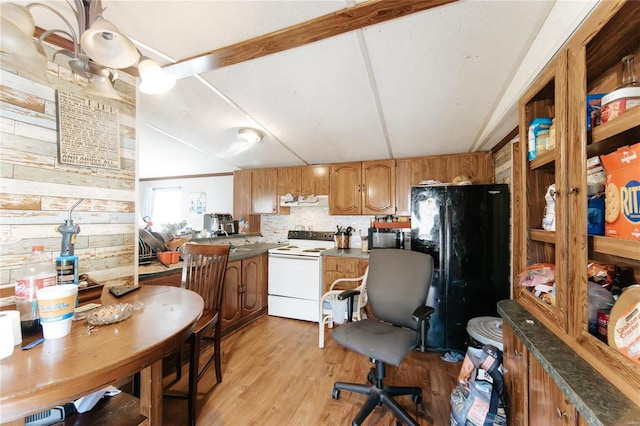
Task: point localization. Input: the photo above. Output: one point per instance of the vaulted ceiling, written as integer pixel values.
(334, 81)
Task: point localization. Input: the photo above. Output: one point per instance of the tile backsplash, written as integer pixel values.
(274, 228)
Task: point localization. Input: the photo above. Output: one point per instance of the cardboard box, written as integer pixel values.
(622, 193)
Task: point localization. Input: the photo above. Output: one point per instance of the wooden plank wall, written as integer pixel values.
(36, 191)
(502, 162)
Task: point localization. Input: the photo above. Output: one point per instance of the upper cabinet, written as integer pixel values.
(314, 180)
(363, 188)
(590, 64)
(289, 181)
(305, 180)
(478, 166)
(546, 98)
(379, 187)
(264, 191)
(241, 194)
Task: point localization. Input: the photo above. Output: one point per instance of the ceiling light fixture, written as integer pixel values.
(250, 136)
(97, 54)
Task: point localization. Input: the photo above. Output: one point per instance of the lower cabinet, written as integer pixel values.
(245, 292)
(335, 267)
(534, 398)
(515, 358)
(171, 277)
(547, 403)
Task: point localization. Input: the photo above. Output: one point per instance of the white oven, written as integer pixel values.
(295, 275)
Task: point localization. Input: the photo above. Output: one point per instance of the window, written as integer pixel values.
(165, 206)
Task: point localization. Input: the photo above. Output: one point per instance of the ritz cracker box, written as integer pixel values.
(622, 192)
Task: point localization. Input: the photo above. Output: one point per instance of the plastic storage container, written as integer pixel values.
(617, 102)
(36, 273)
(538, 136)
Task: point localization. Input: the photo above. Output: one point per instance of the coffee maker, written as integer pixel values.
(218, 224)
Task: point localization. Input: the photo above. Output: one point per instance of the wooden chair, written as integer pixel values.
(203, 272)
(358, 293)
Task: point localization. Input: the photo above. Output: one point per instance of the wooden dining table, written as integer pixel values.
(91, 358)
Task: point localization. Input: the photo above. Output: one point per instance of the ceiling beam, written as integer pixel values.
(352, 18)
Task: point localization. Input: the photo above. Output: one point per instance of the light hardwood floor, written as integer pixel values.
(275, 374)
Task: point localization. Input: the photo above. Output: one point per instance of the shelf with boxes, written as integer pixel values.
(589, 65)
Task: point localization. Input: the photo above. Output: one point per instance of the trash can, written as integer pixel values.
(485, 331)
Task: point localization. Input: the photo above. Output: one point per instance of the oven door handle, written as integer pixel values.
(290, 256)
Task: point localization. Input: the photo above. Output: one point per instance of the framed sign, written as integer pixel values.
(88, 132)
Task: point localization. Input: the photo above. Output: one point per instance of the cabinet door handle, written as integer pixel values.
(517, 353)
(560, 414)
(573, 190)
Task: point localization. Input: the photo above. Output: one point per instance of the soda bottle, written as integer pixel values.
(37, 272)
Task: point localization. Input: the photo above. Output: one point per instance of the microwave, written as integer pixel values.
(386, 238)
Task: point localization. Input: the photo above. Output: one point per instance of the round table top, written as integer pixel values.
(89, 359)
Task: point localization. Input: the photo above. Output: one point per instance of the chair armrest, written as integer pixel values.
(422, 312)
(348, 293)
(343, 280)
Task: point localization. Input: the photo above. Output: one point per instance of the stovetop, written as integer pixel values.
(306, 243)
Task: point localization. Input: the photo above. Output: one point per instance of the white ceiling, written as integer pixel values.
(445, 80)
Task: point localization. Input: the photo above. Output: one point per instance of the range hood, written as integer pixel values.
(304, 201)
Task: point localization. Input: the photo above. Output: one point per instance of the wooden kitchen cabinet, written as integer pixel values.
(345, 189)
(366, 188)
(245, 292)
(590, 63)
(515, 362)
(305, 180)
(314, 180)
(335, 267)
(547, 97)
(379, 187)
(547, 404)
(171, 278)
(404, 168)
(242, 199)
(289, 181)
(411, 171)
(534, 398)
(241, 194)
(264, 191)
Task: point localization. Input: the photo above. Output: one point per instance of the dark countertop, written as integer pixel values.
(157, 269)
(214, 240)
(598, 401)
(350, 252)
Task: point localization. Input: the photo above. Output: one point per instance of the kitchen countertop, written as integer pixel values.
(598, 401)
(350, 252)
(157, 269)
(206, 240)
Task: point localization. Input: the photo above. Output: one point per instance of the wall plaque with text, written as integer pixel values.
(88, 132)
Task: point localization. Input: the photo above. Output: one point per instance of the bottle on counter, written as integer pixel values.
(37, 272)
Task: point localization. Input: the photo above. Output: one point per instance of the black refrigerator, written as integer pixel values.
(466, 229)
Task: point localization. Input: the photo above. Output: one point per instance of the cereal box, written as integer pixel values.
(622, 193)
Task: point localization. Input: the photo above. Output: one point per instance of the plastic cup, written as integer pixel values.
(56, 305)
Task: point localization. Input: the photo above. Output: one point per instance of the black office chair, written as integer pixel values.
(397, 287)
